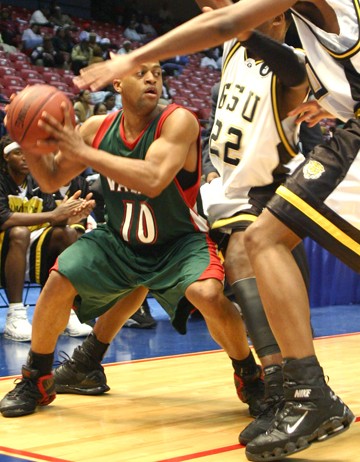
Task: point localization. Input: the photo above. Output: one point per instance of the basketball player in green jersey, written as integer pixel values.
(154, 239)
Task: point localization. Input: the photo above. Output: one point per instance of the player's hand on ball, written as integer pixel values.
(64, 137)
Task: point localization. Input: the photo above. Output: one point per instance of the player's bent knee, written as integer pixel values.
(253, 238)
(65, 236)
(205, 293)
(20, 236)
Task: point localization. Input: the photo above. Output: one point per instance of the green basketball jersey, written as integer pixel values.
(140, 220)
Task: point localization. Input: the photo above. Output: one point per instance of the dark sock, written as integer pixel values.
(245, 367)
(40, 362)
(94, 348)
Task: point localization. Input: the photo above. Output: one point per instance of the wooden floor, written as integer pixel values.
(170, 409)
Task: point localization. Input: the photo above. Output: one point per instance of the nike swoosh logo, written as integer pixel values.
(291, 428)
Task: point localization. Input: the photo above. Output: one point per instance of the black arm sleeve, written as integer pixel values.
(207, 166)
(280, 58)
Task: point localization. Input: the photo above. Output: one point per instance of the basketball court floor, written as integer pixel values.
(172, 398)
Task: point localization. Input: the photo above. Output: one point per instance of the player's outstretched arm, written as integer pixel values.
(203, 31)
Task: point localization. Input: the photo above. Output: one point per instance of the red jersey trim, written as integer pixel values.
(103, 129)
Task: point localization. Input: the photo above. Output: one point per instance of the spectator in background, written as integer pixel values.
(94, 39)
(7, 48)
(97, 54)
(59, 19)
(81, 54)
(33, 234)
(9, 28)
(175, 66)
(125, 48)
(147, 28)
(110, 102)
(106, 92)
(31, 38)
(165, 95)
(40, 17)
(132, 34)
(105, 48)
(100, 109)
(84, 34)
(83, 106)
(210, 60)
(62, 40)
(46, 55)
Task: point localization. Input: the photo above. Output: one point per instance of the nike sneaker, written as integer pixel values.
(312, 412)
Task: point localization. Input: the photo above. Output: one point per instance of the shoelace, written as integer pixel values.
(64, 357)
(24, 385)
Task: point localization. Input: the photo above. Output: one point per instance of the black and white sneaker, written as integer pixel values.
(262, 422)
(141, 319)
(312, 412)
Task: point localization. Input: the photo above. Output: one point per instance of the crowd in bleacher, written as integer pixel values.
(49, 46)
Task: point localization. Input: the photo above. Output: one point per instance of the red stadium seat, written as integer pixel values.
(68, 79)
(19, 57)
(59, 85)
(34, 81)
(8, 91)
(12, 80)
(18, 65)
(6, 71)
(29, 74)
(51, 77)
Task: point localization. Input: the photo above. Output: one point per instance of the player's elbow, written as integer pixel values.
(155, 186)
(154, 190)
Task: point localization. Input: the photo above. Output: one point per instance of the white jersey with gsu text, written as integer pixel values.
(249, 142)
(334, 60)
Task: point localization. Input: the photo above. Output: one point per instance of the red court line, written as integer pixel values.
(18, 452)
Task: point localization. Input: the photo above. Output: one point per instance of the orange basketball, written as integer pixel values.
(25, 110)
